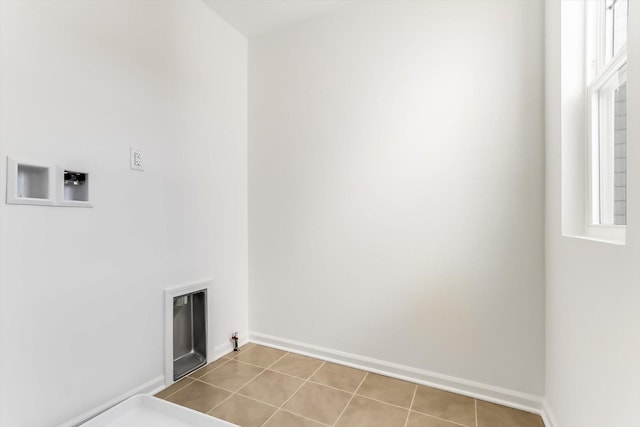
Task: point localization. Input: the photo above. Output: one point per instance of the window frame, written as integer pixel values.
(605, 71)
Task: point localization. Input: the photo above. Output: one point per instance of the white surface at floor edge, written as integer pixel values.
(144, 411)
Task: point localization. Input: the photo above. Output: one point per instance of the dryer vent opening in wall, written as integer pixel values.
(189, 332)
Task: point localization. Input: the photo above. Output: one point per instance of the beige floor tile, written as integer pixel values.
(232, 375)
(445, 405)
(271, 387)
(260, 356)
(243, 411)
(208, 368)
(287, 419)
(318, 402)
(363, 412)
(492, 415)
(420, 420)
(296, 365)
(390, 390)
(242, 349)
(199, 396)
(174, 387)
(339, 376)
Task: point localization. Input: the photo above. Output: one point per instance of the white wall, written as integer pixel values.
(592, 288)
(81, 296)
(396, 183)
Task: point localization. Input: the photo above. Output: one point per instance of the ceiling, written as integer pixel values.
(257, 17)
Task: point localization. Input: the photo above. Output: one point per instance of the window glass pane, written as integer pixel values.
(615, 28)
(619, 10)
(609, 190)
(620, 156)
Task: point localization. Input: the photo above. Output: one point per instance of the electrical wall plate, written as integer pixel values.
(30, 183)
(136, 159)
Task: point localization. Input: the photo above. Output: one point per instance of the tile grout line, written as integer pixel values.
(279, 408)
(302, 416)
(217, 367)
(257, 366)
(169, 395)
(316, 382)
(335, 388)
(441, 419)
(217, 386)
(198, 378)
(294, 393)
(380, 401)
(415, 390)
(437, 418)
(233, 393)
(323, 385)
(256, 400)
(475, 405)
(351, 398)
(259, 401)
(194, 379)
(263, 369)
(309, 380)
(243, 385)
(228, 359)
(305, 381)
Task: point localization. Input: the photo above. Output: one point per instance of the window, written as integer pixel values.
(606, 80)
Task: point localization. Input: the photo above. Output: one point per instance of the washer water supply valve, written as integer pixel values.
(234, 338)
(74, 178)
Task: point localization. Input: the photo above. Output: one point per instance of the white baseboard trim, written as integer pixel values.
(489, 393)
(547, 415)
(146, 388)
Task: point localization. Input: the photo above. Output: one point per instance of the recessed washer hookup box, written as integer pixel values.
(189, 332)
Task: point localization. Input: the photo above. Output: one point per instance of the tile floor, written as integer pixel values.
(261, 386)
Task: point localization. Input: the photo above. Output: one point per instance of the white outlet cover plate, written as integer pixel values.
(136, 161)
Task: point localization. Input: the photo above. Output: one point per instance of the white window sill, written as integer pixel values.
(613, 235)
